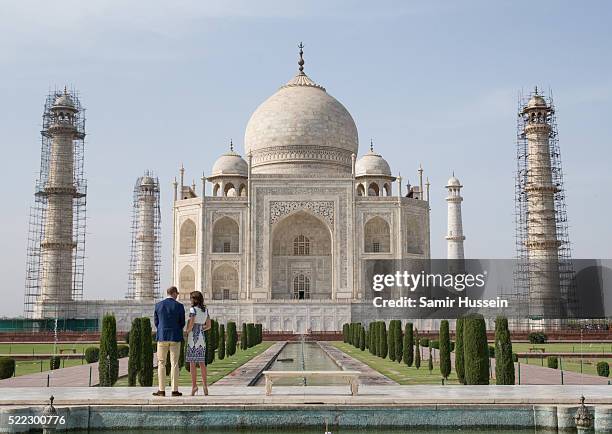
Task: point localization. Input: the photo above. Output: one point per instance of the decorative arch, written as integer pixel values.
(187, 238)
(216, 189)
(226, 236)
(242, 190)
(373, 189)
(229, 190)
(301, 244)
(187, 280)
(225, 283)
(360, 190)
(387, 189)
(301, 287)
(377, 236)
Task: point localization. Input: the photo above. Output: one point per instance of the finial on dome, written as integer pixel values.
(65, 90)
(371, 145)
(536, 90)
(301, 61)
(231, 145)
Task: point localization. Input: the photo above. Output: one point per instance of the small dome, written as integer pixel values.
(230, 164)
(453, 181)
(372, 164)
(147, 180)
(64, 100)
(536, 101)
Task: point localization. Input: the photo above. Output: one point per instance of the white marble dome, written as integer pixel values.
(63, 100)
(372, 164)
(301, 129)
(453, 181)
(536, 101)
(230, 164)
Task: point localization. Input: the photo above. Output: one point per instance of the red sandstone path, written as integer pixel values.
(74, 376)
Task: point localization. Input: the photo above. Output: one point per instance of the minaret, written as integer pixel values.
(542, 243)
(455, 236)
(60, 189)
(144, 267)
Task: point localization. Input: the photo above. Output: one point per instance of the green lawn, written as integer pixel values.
(563, 347)
(23, 367)
(589, 365)
(399, 371)
(7, 349)
(218, 369)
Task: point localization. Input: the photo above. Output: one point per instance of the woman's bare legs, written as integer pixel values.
(203, 369)
(194, 377)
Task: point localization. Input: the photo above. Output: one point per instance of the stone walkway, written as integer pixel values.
(300, 395)
(74, 376)
(368, 375)
(245, 374)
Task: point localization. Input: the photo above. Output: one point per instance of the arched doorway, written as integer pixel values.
(225, 283)
(301, 262)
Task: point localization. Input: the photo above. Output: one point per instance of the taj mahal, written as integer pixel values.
(282, 238)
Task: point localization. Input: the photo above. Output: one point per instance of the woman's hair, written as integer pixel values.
(197, 300)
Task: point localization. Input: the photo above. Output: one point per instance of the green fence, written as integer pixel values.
(48, 325)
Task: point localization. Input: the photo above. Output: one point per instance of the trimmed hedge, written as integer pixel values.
(108, 366)
(603, 369)
(417, 350)
(434, 343)
(552, 362)
(476, 354)
(491, 351)
(391, 340)
(145, 373)
(134, 353)
(383, 340)
(362, 338)
(430, 362)
(445, 349)
(243, 337)
(537, 338)
(232, 338)
(123, 350)
(345, 329)
(92, 354)
(504, 364)
(399, 341)
(459, 358)
(221, 350)
(7, 367)
(408, 345)
(424, 342)
(54, 362)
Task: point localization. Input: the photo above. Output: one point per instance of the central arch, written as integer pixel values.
(301, 248)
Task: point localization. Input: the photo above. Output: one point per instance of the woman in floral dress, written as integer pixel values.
(199, 322)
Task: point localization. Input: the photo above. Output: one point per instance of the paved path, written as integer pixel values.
(368, 376)
(300, 395)
(245, 374)
(74, 376)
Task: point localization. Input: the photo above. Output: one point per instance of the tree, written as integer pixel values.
(221, 350)
(108, 367)
(232, 338)
(444, 343)
(408, 355)
(391, 340)
(459, 359)
(7, 367)
(430, 362)
(243, 337)
(134, 354)
(362, 338)
(504, 364)
(345, 333)
(145, 374)
(250, 335)
(259, 328)
(603, 369)
(372, 336)
(399, 344)
(383, 340)
(417, 351)
(475, 349)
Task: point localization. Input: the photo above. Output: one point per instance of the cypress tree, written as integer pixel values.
(459, 357)
(476, 350)
(504, 364)
(259, 328)
(250, 335)
(371, 340)
(108, 366)
(362, 338)
(445, 356)
(417, 351)
(134, 355)
(243, 337)
(231, 338)
(430, 362)
(221, 350)
(345, 333)
(399, 342)
(391, 340)
(408, 345)
(383, 340)
(145, 374)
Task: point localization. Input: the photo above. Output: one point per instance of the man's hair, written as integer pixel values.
(172, 290)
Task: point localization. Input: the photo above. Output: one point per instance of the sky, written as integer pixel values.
(433, 83)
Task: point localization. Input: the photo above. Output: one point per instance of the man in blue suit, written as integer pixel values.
(169, 321)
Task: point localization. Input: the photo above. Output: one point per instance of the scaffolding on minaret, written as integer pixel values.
(56, 234)
(145, 256)
(532, 176)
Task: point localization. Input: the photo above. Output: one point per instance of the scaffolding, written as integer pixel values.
(531, 179)
(56, 234)
(145, 252)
